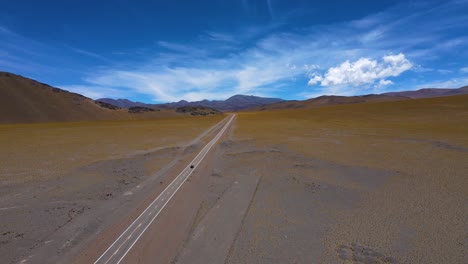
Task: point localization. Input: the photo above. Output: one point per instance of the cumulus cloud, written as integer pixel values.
(364, 71)
(464, 70)
(315, 78)
(344, 58)
(383, 83)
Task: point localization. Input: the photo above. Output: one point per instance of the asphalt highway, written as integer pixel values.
(117, 251)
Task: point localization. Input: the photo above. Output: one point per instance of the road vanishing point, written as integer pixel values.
(117, 251)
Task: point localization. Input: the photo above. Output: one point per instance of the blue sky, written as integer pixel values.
(160, 51)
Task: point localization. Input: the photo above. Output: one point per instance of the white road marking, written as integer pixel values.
(115, 253)
(156, 206)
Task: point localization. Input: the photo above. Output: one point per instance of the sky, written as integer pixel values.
(165, 51)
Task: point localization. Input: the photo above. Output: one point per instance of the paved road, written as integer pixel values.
(124, 243)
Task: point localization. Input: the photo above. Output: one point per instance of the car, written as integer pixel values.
(191, 166)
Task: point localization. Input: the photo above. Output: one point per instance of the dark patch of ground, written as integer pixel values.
(197, 110)
(140, 109)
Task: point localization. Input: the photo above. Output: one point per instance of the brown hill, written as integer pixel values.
(330, 100)
(23, 100)
(430, 92)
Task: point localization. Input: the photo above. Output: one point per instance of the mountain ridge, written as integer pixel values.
(248, 102)
(233, 103)
(326, 100)
(24, 100)
(430, 92)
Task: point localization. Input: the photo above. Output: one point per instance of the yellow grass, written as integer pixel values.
(35, 152)
(326, 129)
(424, 143)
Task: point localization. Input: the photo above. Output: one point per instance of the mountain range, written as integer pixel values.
(385, 97)
(429, 92)
(243, 102)
(23, 100)
(234, 103)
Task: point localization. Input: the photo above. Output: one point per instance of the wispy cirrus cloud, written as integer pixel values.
(453, 83)
(217, 36)
(198, 71)
(89, 54)
(342, 58)
(97, 92)
(34, 58)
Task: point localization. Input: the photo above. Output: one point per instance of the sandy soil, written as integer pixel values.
(368, 183)
(61, 183)
(371, 183)
(377, 183)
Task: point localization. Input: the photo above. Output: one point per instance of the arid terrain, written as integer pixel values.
(369, 183)
(234, 132)
(365, 183)
(381, 182)
(23, 100)
(52, 174)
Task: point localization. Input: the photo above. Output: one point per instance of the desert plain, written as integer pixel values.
(379, 182)
(52, 173)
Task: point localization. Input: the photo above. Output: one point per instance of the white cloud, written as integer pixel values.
(215, 66)
(315, 79)
(454, 83)
(464, 70)
(173, 84)
(181, 48)
(444, 71)
(364, 71)
(95, 92)
(89, 54)
(217, 36)
(383, 83)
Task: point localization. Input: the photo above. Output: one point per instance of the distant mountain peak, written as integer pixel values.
(233, 103)
(123, 103)
(429, 92)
